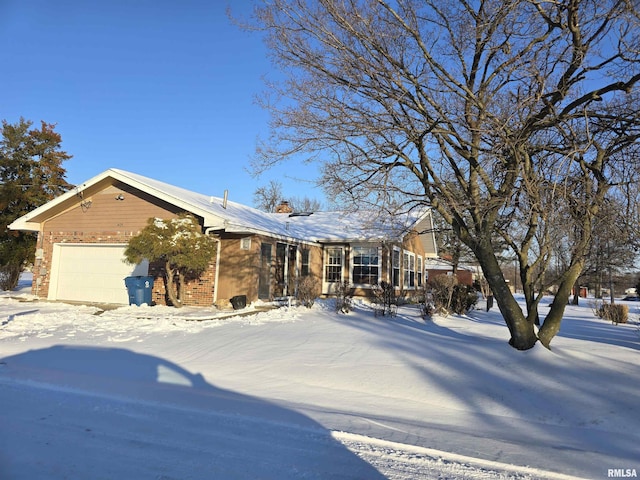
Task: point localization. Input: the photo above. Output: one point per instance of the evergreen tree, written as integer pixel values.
(31, 174)
(179, 244)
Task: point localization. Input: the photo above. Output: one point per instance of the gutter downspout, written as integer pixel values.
(215, 285)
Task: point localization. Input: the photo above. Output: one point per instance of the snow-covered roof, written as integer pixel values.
(229, 216)
(442, 264)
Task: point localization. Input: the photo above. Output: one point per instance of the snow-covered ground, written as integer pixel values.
(159, 393)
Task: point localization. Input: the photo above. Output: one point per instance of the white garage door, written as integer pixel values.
(91, 273)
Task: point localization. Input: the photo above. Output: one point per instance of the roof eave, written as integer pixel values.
(243, 229)
(31, 221)
(23, 225)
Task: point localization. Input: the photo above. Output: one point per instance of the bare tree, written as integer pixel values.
(496, 114)
(269, 197)
(449, 246)
(614, 247)
(305, 204)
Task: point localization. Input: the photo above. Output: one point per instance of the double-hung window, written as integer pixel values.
(409, 264)
(419, 271)
(305, 254)
(395, 263)
(366, 265)
(333, 265)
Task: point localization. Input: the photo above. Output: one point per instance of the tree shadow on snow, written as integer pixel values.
(506, 397)
(141, 416)
(599, 331)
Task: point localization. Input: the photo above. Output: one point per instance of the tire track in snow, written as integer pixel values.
(398, 461)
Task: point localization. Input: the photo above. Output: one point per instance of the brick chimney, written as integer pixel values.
(284, 207)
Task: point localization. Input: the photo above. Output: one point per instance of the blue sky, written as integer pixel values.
(161, 88)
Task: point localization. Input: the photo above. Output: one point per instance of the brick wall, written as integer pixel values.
(198, 292)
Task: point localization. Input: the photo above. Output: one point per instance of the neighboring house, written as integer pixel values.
(83, 233)
(466, 274)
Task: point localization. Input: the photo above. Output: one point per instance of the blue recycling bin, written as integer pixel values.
(139, 289)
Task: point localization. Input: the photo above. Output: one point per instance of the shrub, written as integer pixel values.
(9, 276)
(384, 299)
(448, 296)
(185, 252)
(344, 297)
(464, 299)
(308, 290)
(442, 292)
(614, 313)
(427, 309)
(424, 299)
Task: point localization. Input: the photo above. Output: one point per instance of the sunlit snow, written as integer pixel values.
(196, 393)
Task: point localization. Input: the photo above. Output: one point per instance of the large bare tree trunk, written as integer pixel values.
(523, 336)
(529, 290)
(551, 325)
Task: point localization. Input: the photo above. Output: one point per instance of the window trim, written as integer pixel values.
(395, 279)
(409, 270)
(377, 265)
(326, 264)
(305, 266)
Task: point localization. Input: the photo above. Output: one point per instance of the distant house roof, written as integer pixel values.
(219, 214)
(446, 265)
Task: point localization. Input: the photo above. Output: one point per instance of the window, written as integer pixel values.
(412, 270)
(409, 265)
(305, 255)
(365, 265)
(245, 243)
(419, 271)
(395, 261)
(333, 265)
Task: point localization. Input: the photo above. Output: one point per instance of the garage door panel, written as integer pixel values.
(91, 273)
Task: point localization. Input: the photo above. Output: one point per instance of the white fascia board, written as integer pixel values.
(24, 223)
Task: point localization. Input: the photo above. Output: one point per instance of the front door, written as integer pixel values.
(280, 285)
(285, 270)
(291, 270)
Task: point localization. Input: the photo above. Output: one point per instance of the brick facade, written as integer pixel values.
(111, 214)
(109, 210)
(198, 292)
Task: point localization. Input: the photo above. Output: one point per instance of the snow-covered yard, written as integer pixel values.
(159, 393)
